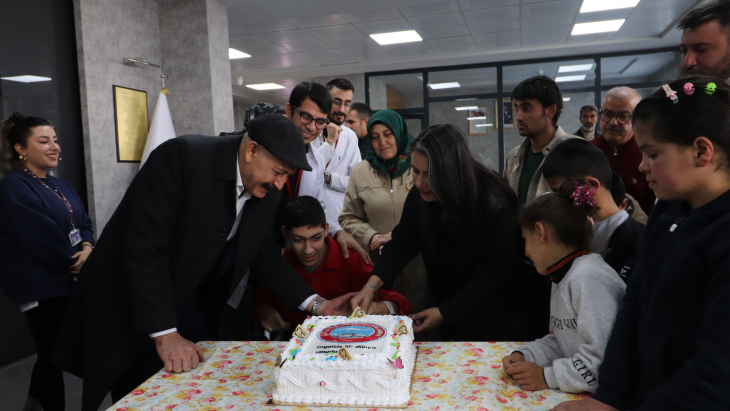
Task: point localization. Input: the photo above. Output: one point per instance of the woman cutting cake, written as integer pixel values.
(462, 218)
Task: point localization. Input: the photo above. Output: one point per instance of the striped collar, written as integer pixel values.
(557, 271)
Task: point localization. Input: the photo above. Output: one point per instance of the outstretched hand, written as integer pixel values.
(338, 306)
(528, 375)
(427, 319)
(177, 353)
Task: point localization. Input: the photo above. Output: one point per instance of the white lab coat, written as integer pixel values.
(312, 184)
(341, 160)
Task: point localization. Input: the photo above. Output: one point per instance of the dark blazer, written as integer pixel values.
(156, 250)
(580, 134)
(474, 280)
(35, 251)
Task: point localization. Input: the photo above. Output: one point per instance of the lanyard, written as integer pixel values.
(296, 188)
(57, 193)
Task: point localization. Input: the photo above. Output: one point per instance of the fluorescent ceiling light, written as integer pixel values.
(264, 86)
(26, 79)
(396, 37)
(579, 77)
(237, 54)
(467, 108)
(437, 86)
(597, 27)
(477, 118)
(566, 98)
(575, 67)
(466, 99)
(601, 5)
(484, 125)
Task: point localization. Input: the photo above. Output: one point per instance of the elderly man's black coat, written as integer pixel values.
(156, 249)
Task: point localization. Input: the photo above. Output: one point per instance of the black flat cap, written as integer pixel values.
(281, 137)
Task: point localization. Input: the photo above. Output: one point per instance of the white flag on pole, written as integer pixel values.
(161, 128)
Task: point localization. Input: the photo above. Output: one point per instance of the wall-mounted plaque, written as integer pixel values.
(130, 120)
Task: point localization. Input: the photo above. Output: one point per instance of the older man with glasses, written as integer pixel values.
(618, 144)
(308, 108)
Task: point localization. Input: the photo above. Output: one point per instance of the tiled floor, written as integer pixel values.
(14, 380)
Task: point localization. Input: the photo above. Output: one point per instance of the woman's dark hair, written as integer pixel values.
(695, 115)
(16, 130)
(453, 174)
(317, 92)
(570, 224)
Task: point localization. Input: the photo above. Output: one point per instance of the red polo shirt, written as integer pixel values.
(334, 277)
(625, 162)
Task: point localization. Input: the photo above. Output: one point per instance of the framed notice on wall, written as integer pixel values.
(130, 120)
(478, 121)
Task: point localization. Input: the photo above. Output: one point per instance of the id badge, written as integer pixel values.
(75, 237)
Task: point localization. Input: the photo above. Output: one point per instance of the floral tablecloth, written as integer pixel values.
(240, 376)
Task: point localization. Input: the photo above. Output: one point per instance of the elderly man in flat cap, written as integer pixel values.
(196, 220)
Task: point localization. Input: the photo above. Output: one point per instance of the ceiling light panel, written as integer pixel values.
(566, 99)
(466, 108)
(439, 86)
(476, 118)
(563, 79)
(606, 26)
(575, 67)
(408, 36)
(265, 86)
(602, 5)
(26, 79)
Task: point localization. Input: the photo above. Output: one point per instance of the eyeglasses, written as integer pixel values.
(337, 103)
(307, 118)
(621, 118)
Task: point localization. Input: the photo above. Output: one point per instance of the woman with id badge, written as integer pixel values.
(45, 238)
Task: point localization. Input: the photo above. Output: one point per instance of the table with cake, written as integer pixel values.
(366, 362)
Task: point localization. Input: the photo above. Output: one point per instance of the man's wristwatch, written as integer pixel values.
(327, 178)
(317, 302)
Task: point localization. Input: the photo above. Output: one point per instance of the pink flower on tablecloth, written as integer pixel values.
(424, 380)
(242, 377)
(236, 347)
(137, 392)
(519, 394)
(468, 345)
(500, 399)
(471, 398)
(425, 352)
(372, 409)
(410, 403)
(226, 351)
(258, 372)
(437, 348)
(224, 356)
(504, 380)
(222, 381)
(432, 395)
(227, 362)
(192, 384)
(249, 353)
(228, 407)
(469, 371)
(211, 399)
(481, 380)
(477, 351)
(259, 379)
(264, 361)
(431, 364)
(194, 392)
(166, 375)
(436, 375)
(268, 350)
(196, 377)
(496, 366)
(208, 373)
(237, 392)
(156, 387)
(123, 409)
(171, 406)
(483, 409)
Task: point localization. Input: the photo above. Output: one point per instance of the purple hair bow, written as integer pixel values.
(583, 195)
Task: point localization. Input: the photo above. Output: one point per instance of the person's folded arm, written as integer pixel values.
(159, 191)
(340, 181)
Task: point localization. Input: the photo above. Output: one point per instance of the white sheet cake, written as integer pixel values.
(379, 372)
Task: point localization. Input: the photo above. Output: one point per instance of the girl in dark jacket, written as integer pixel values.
(462, 217)
(45, 237)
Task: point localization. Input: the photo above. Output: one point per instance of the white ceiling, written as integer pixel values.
(291, 41)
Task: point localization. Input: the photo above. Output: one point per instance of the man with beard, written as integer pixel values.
(705, 43)
(618, 144)
(357, 121)
(588, 119)
(195, 221)
(308, 108)
(539, 103)
(338, 146)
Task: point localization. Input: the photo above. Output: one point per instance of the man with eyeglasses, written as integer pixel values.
(618, 144)
(308, 107)
(339, 147)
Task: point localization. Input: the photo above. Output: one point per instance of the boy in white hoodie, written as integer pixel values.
(557, 228)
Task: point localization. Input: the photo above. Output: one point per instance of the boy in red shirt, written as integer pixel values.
(317, 258)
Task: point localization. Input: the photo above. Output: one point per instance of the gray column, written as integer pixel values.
(194, 46)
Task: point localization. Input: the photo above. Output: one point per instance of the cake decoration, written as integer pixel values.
(358, 313)
(301, 332)
(398, 363)
(402, 330)
(344, 354)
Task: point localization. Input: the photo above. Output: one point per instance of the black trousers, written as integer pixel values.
(46, 381)
(197, 320)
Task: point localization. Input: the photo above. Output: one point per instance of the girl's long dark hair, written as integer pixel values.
(456, 177)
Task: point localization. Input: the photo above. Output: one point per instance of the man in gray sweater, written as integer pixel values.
(583, 308)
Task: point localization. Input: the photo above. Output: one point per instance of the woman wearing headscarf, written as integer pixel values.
(375, 196)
